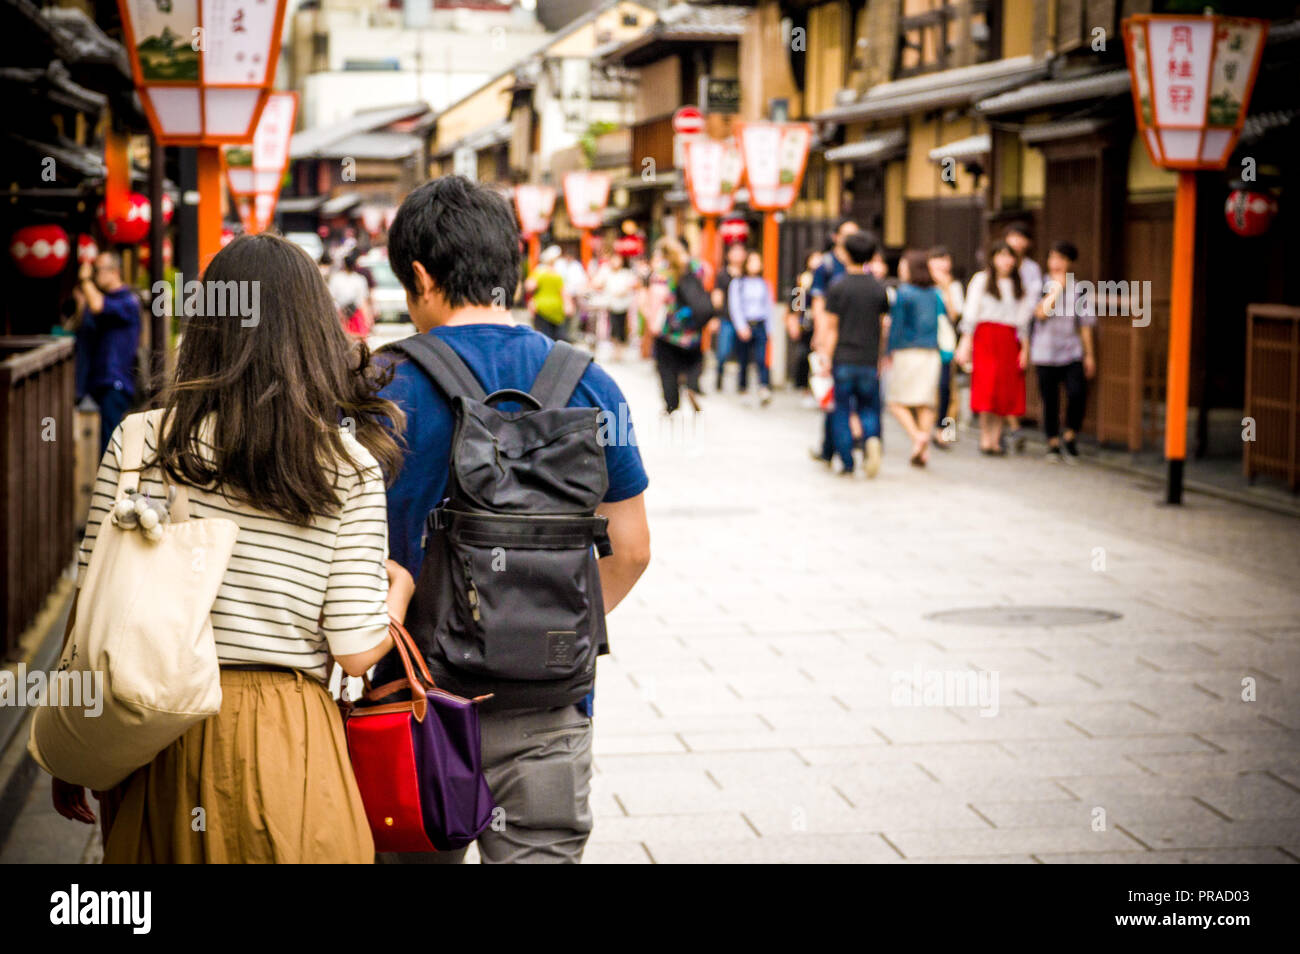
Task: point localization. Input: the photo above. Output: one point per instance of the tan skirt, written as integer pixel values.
(267, 780)
(914, 377)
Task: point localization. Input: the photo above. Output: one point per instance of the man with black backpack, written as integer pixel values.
(519, 510)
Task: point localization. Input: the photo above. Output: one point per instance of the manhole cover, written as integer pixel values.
(1024, 616)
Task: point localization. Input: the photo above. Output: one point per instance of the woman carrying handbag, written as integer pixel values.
(275, 425)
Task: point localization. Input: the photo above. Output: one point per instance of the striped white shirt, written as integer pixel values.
(292, 594)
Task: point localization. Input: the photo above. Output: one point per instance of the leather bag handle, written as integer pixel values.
(419, 700)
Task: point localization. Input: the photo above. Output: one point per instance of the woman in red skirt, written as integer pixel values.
(994, 344)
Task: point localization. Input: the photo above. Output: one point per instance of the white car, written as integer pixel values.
(388, 294)
(309, 242)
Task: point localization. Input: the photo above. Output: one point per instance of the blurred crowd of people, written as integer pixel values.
(865, 335)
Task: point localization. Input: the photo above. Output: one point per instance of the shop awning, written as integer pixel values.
(340, 204)
(874, 147)
(958, 87)
(1053, 92)
(300, 203)
(661, 180)
(1064, 129)
(963, 150)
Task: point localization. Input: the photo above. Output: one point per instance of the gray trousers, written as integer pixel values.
(538, 765)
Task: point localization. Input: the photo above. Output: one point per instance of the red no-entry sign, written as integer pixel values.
(688, 121)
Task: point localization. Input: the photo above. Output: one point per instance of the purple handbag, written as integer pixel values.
(418, 760)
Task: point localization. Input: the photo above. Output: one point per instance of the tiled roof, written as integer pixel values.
(1052, 92)
(322, 140)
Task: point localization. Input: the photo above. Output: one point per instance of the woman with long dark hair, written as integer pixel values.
(273, 421)
(994, 344)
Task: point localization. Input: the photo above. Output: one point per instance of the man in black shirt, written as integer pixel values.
(851, 341)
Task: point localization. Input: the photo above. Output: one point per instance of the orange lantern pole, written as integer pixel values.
(1180, 334)
(210, 206)
(709, 243)
(1191, 78)
(771, 249)
(586, 248)
(534, 251)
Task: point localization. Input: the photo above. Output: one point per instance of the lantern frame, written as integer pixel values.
(545, 207)
(1143, 87)
(590, 218)
(200, 86)
(260, 200)
(724, 201)
(784, 129)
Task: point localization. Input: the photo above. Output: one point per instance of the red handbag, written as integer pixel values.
(418, 760)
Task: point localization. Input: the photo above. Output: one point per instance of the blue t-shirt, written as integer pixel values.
(826, 274)
(501, 356)
(109, 340)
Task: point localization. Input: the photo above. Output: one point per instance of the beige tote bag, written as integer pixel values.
(141, 640)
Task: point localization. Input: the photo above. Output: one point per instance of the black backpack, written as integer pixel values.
(508, 600)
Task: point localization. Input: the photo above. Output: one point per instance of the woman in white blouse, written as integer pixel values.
(994, 344)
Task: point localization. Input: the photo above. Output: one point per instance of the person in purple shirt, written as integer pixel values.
(749, 304)
(1061, 349)
(108, 334)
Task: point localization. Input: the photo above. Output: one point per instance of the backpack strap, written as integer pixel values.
(441, 364)
(559, 377)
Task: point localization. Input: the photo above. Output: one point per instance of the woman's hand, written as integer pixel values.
(963, 353)
(744, 334)
(70, 801)
(400, 590)
(1089, 366)
(1024, 355)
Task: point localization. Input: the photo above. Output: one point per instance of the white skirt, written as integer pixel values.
(914, 377)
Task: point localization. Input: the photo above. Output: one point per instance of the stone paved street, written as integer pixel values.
(747, 711)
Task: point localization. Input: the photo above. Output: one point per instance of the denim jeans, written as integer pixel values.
(857, 387)
(724, 346)
(754, 350)
(945, 393)
(113, 406)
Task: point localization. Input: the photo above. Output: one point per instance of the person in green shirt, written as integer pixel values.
(549, 302)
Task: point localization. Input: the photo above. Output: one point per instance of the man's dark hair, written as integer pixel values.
(464, 235)
(1019, 228)
(861, 247)
(1067, 249)
(939, 251)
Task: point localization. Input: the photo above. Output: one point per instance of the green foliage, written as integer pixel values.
(588, 139)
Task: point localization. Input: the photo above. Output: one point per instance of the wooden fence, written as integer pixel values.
(37, 463)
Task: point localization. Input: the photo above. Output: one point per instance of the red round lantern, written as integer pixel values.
(130, 228)
(40, 251)
(1249, 213)
(169, 209)
(87, 250)
(629, 246)
(734, 230)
